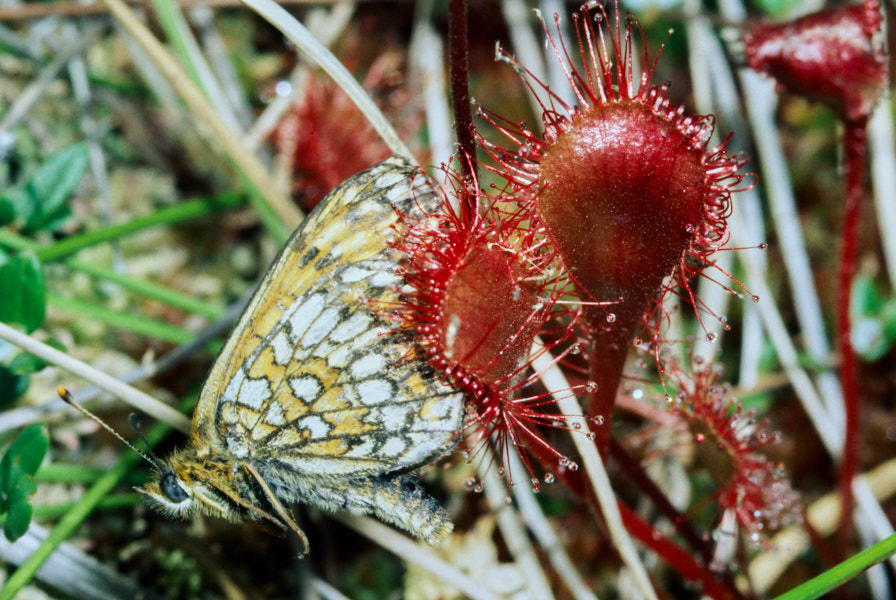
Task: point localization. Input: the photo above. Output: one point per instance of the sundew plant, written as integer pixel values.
(660, 275)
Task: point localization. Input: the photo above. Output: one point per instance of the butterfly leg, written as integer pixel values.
(278, 508)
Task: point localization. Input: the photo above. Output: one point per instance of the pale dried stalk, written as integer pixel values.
(555, 382)
(514, 533)
(307, 43)
(128, 394)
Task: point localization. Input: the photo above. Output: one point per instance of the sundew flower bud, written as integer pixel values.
(476, 295)
(835, 56)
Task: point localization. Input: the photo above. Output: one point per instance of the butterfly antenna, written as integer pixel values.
(70, 400)
(134, 420)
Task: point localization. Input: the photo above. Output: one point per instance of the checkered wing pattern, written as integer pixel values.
(310, 380)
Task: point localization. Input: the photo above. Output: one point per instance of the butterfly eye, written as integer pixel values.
(171, 488)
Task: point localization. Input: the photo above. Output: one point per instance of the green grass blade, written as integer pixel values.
(837, 576)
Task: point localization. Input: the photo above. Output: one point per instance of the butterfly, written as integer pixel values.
(313, 398)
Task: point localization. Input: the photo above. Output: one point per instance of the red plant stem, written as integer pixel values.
(633, 470)
(608, 350)
(459, 74)
(679, 559)
(636, 473)
(819, 543)
(684, 562)
(854, 151)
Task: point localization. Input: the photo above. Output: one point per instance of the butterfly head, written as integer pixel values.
(186, 487)
(191, 483)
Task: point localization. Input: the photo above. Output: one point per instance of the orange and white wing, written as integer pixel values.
(310, 380)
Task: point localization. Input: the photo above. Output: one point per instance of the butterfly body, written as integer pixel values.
(314, 399)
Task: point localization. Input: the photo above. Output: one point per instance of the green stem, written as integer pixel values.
(182, 211)
(48, 512)
(276, 211)
(71, 473)
(151, 290)
(172, 23)
(131, 322)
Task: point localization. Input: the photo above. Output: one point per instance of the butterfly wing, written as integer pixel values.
(310, 380)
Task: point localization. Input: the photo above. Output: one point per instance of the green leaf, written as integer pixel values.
(873, 319)
(50, 186)
(18, 465)
(7, 211)
(868, 339)
(15, 368)
(22, 206)
(12, 385)
(21, 491)
(864, 297)
(24, 455)
(23, 291)
(20, 509)
(17, 520)
(888, 316)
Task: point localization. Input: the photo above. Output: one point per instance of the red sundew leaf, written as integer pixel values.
(476, 293)
(624, 185)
